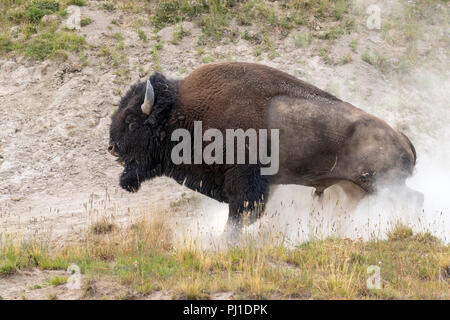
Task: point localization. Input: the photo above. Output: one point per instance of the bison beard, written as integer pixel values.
(323, 140)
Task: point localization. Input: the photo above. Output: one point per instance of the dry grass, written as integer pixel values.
(103, 226)
(143, 258)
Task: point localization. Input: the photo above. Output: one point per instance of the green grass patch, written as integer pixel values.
(302, 40)
(114, 52)
(142, 35)
(39, 8)
(156, 57)
(85, 21)
(345, 59)
(332, 34)
(79, 3)
(178, 34)
(377, 60)
(215, 16)
(57, 280)
(324, 53)
(354, 45)
(31, 37)
(6, 45)
(108, 6)
(52, 44)
(36, 287)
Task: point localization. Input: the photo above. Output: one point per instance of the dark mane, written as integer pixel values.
(165, 97)
(136, 91)
(166, 92)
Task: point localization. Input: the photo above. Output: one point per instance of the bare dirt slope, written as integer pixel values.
(54, 132)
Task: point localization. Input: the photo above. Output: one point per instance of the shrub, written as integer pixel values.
(6, 45)
(79, 3)
(400, 232)
(85, 21)
(39, 8)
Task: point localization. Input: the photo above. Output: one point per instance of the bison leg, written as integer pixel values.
(247, 193)
(319, 191)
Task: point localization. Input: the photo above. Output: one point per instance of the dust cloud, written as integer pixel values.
(295, 215)
(416, 103)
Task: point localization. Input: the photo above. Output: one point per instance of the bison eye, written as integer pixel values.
(132, 126)
(130, 119)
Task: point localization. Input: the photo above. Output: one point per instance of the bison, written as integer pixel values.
(322, 139)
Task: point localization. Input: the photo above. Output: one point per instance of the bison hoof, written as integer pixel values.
(319, 193)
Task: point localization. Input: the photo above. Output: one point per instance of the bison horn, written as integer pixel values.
(149, 99)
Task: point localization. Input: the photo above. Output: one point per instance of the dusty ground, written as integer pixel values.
(57, 178)
(34, 284)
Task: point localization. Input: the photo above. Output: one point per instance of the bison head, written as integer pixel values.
(137, 130)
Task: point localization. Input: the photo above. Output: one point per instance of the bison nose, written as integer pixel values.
(112, 150)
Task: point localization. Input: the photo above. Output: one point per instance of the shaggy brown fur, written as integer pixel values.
(323, 140)
(237, 95)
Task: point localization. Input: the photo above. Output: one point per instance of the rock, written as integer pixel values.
(16, 198)
(72, 67)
